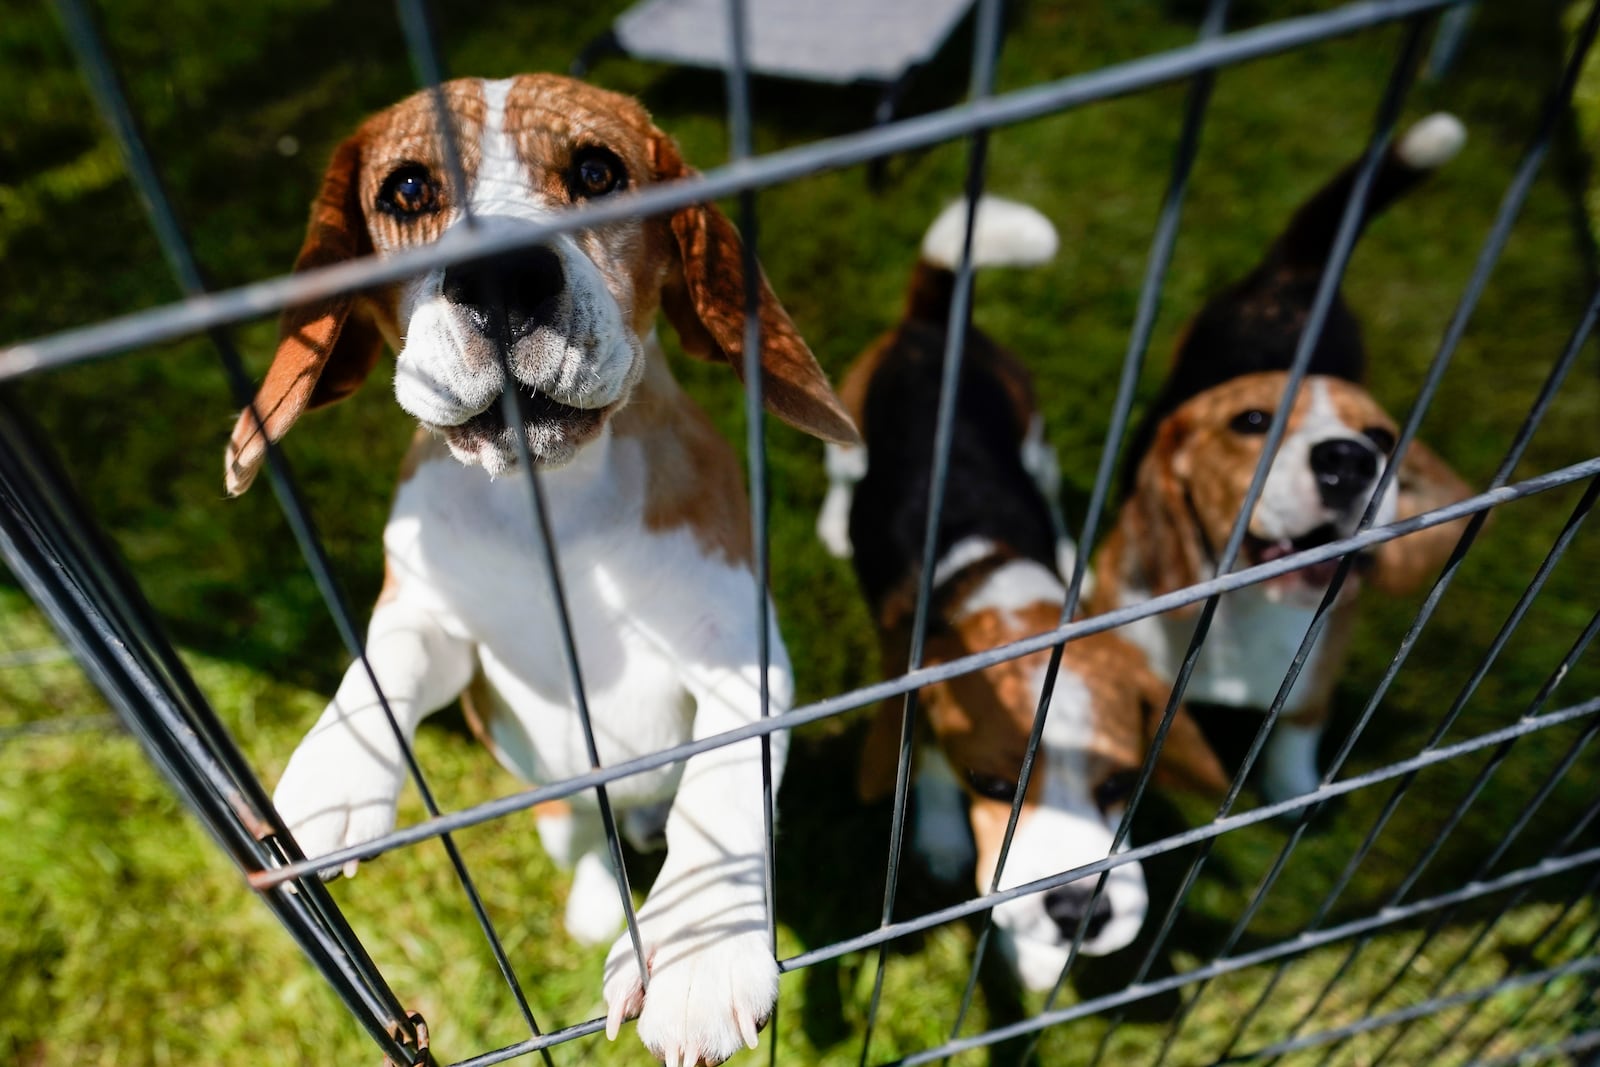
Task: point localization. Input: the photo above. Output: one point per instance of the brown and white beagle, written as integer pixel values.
(1191, 469)
(995, 581)
(646, 504)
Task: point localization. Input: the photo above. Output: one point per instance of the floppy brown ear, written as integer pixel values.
(1186, 761)
(1425, 482)
(704, 299)
(325, 349)
(1165, 537)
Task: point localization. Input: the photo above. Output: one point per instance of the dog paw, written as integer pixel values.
(710, 991)
(332, 796)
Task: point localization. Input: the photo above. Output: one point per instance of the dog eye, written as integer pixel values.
(408, 192)
(1382, 438)
(595, 172)
(1251, 422)
(1115, 790)
(992, 786)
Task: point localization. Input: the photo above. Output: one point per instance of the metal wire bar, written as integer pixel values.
(1182, 840)
(1553, 381)
(1580, 966)
(1548, 868)
(985, 55)
(1294, 946)
(1496, 758)
(838, 705)
(1487, 926)
(110, 100)
(1157, 262)
(419, 35)
(1401, 78)
(198, 313)
(1588, 950)
(1587, 1041)
(740, 146)
(1353, 864)
(1543, 935)
(49, 544)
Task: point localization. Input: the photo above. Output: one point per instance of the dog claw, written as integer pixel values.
(747, 1027)
(349, 869)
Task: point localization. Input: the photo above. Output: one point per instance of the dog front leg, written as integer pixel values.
(342, 782)
(713, 980)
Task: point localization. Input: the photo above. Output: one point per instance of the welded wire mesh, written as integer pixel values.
(53, 547)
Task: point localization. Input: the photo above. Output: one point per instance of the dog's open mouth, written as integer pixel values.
(1260, 550)
(553, 430)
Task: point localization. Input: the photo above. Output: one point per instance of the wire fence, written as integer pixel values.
(73, 573)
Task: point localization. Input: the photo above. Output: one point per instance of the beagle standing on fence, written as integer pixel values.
(995, 581)
(646, 505)
(1190, 466)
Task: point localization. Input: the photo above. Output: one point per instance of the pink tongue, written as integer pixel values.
(1276, 550)
(1311, 573)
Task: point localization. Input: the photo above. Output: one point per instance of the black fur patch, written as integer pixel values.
(988, 493)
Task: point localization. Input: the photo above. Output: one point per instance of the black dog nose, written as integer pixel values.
(1066, 906)
(1344, 468)
(514, 294)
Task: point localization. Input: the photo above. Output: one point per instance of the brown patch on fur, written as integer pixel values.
(1192, 482)
(692, 477)
(327, 348)
(1425, 482)
(479, 707)
(705, 301)
(981, 720)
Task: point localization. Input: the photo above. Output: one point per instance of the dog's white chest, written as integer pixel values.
(1246, 654)
(468, 546)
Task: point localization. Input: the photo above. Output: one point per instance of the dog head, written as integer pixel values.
(1192, 483)
(563, 322)
(1104, 709)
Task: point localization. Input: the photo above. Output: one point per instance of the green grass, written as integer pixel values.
(129, 939)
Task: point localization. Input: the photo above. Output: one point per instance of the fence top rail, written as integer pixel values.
(254, 300)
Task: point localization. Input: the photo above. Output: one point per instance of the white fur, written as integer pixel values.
(663, 636)
(587, 356)
(1290, 504)
(1039, 459)
(1432, 141)
(961, 555)
(1063, 830)
(846, 465)
(1013, 586)
(1256, 631)
(1005, 234)
(1291, 764)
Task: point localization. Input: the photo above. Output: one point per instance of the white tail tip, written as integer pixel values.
(1432, 142)
(1005, 234)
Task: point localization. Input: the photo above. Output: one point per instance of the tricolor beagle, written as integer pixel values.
(646, 504)
(995, 581)
(1189, 473)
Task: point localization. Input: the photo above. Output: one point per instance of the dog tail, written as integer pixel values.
(1004, 234)
(1427, 145)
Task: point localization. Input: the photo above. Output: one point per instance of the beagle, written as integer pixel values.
(1189, 475)
(646, 506)
(995, 581)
